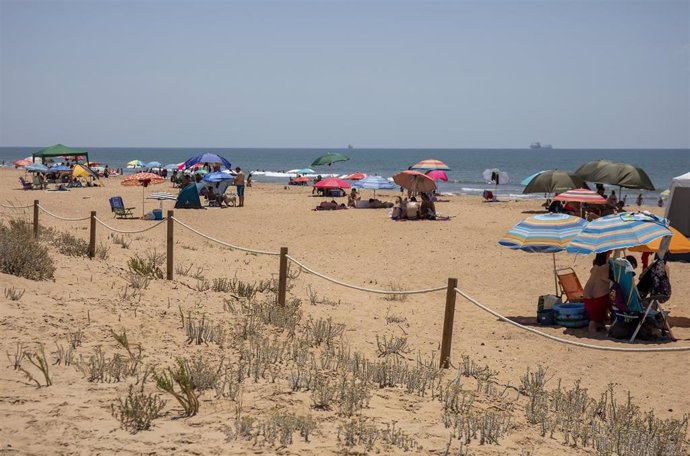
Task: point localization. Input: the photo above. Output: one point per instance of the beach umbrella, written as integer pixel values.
(553, 181)
(331, 182)
(678, 244)
(544, 233)
(305, 171)
(415, 181)
(438, 175)
(374, 183)
(201, 171)
(162, 196)
(153, 164)
(301, 179)
(171, 166)
(135, 164)
(329, 159)
(619, 231)
(355, 176)
(59, 168)
(218, 176)
(20, 163)
(206, 158)
(527, 179)
(615, 173)
(495, 176)
(143, 180)
(581, 195)
(430, 165)
(36, 168)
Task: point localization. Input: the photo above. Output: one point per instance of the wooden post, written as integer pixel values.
(282, 276)
(170, 243)
(92, 236)
(35, 219)
(448, 323)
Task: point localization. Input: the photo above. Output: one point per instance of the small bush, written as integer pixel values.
(14, 294)
(170, 380)
(21, 255)
(121, 241)
(147, 266)
(136, 411)
(70, 245)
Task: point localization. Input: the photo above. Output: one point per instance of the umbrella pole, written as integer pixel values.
(555, 276)
(143, 194)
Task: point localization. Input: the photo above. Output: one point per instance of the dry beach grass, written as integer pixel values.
(336, 370)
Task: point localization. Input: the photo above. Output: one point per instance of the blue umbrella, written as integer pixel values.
(218, 176)
(58, 168)
(206, 158)
(153, 164)
(36, 168)
(544, 233)
(171, 166)
(619, 231)
(374, 183)
(305, 171)
(528, 179)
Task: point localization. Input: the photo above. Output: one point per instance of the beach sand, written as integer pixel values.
(361, 247)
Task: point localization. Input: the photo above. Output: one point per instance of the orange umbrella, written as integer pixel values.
(20, 163)
(356, 176)
(143, 180)
(679, 244)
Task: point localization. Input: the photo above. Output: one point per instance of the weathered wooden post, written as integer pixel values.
(282, 276)
(170, 243)
(35, 219)
(92, 236)
(447, 340)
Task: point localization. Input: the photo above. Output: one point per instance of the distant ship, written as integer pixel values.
(538, 145)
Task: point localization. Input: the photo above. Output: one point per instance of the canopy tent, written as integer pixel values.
(678, 207)
(59, 150)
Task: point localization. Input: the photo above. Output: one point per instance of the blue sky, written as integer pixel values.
(328, 74)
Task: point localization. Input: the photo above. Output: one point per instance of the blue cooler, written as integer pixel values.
(158, 214)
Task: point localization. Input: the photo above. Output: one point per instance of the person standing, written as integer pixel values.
(239, 183)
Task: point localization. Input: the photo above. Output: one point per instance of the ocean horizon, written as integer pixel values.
(465, 176)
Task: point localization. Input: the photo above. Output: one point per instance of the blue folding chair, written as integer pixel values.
(117, 206)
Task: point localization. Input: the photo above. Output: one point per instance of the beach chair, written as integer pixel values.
(117, 206)
(629, 307)
(570, 284)
(26, 185)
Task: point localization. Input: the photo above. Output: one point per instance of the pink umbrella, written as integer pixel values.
(438, 175)
(332, 182)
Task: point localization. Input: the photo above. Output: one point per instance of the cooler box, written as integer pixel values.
(158, 214)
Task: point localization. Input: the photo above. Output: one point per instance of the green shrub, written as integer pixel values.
(21, 254)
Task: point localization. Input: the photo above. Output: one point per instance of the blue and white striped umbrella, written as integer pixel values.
(543, 233)
(619, 231)
(153, 164)
(36, 168)
(374, 183)
(161, 196)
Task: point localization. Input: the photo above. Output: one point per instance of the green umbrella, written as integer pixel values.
(620, 174)
(329, 159)
(553, 181)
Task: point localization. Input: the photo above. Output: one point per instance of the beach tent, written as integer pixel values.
(188, 198)
(678, 207)
(59, 150)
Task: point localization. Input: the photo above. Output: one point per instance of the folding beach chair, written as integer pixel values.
(630, 306)
(117, 206)
(570, 284)
(26, 185)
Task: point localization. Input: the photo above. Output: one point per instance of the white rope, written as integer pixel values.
(244, 249)
(16, 207)
(127, 231)
(370, 290)
(67, 219)
(566, 341)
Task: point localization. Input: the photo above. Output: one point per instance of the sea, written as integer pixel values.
(465, 176)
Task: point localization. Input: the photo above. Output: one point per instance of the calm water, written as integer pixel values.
(466, 165)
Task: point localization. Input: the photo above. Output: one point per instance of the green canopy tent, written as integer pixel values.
(59, 150)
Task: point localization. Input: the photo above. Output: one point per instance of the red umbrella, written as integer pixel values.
(581, 195)
(356, 176)
(20, 163)
(332, 182)
(300, 179)
(415, 181)
(143, 180)
(437, 174)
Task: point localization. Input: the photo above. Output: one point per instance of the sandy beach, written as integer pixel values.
(360, 247)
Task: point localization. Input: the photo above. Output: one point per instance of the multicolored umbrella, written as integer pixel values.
(553, 181)
(415, 181)
(544, 233)
(679, 244)
(581, 195)
(143, 180)
(438, 175)
(331, 182)
(135, 164)
(619, 231)
(329, 159)
(430, 165)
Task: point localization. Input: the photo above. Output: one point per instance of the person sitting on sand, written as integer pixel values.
(612, 200)
(427, 209)
(352, 198)
(412, 211)
(596, 293)
(327, 206)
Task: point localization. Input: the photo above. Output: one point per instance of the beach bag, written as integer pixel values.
(617, 297)
(655, 282)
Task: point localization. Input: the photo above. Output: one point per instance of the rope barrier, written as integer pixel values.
(67, 219)
(566, 341)
(9, 206)
(235, 247)
(127, 231)
(370, 290)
